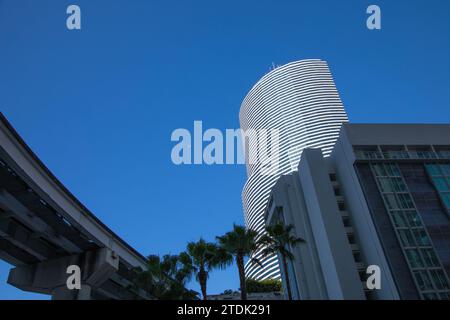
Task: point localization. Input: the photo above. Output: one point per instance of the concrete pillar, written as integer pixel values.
(50, 276)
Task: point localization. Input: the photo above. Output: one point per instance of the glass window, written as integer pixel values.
(446, 169)
(433, 170)
(430, 257)
(430, 296)
(391, 201)
(351, 238)
(337, 191)
(385, 184)
(395, 155)
(379, 170)
(426, 154)
(423, 280)
(392, 170)
(405, 201)
(399, 185)
(375, 155)
(346, 222)
(413, 218)
(406, 238)
(446, 199)
(441, 184)
(444, 295)
(414, 258)
(399, 219)
(439, 279)
(421, 237)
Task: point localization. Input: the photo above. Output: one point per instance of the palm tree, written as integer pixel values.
(279, 240)
(164, 278)
(239, 243)
(201, 257)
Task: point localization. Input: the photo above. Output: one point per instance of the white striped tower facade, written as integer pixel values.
(301, 102)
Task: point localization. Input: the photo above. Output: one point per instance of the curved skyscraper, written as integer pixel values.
(298, 100)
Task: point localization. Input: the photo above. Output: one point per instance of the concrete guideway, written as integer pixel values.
(44, 229)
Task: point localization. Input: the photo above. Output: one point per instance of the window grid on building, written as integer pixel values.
(426, 268)
(440, 176)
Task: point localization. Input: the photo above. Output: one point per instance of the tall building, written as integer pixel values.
(299, 100)
(381, 199)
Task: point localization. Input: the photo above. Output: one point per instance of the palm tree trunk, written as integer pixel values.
(288, 282)
(240, 265)
(202, 280)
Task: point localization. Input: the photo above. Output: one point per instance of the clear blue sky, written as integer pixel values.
(98, 105)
